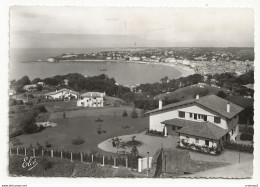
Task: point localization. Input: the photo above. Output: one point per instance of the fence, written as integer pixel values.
(127, 161)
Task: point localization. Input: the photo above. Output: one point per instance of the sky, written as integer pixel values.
(85, 27)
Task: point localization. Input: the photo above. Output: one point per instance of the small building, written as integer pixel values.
(201, 123)
(41, 83)
(30, 87)
(66, 82)
(11, 92)
(91, 99)
(64, 94)
(52, 59)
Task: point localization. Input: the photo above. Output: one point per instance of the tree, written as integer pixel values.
(124, 114)
(36, 80)
(134, 152)
(134, 113)
(222, 94)
(22, 82)
(39, 87)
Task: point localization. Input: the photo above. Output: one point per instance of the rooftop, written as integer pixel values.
(62, 90)
(93, 94)
(206, 129)
(211, 102)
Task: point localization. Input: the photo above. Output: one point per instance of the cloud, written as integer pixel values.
(151, 26)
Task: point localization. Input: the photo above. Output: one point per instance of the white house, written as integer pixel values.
(30, 87)
(62, 94)
(91, 99)
(207, 121)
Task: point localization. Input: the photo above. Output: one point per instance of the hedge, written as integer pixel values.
(239, 147)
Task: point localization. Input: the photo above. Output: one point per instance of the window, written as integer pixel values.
(181, 114)
(205, 118)
(197, 140)
(195, 116)
(190, 115)
(206, 142)
(217, 119)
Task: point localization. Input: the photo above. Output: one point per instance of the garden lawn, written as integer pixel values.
(105, 111)
(61, 136)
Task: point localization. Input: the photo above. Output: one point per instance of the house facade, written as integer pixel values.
(207, 122)
(91, 99)
(64, 93)
(30, 87)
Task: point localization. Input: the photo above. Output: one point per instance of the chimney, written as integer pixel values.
(197, 96)
(160, 104)
(228, 107)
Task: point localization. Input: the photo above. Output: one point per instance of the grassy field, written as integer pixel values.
(189, 91)
(105, 111)
(55, 167)
(61, 136)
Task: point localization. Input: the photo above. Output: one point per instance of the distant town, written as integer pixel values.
(201, 60)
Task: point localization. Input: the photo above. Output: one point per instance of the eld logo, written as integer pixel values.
(29, 162)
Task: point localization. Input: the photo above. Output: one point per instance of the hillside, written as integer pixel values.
(189, 91)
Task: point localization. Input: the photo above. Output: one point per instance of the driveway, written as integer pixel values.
(153, 143)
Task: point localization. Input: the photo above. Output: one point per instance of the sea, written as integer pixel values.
(25, 62)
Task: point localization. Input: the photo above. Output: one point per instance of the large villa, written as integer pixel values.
(202, 123)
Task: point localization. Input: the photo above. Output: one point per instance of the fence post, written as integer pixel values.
(25, 151)
(140, 164)
(126, 162)
(17, 151)
(42, 152)
(81, 157)
(33, 152)
(71, 159)
(103, 161)
(92, 158)
(51, 153)
(61, 154)
(148, 164)
(114, 162)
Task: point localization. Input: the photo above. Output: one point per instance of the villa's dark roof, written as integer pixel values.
(206, 129)
(178, 122)
(92, 94)
(211, 102)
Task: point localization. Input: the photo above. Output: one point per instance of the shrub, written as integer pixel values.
(122, 173)
(125, 126)
(155, 133)
(239, 147)
(246, 137)
(78, 141)
(48, 165)
(134, 114)
(248, 134)
(124, 114)
(41, 108)
(48, 145)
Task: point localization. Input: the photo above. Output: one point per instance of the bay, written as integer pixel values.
(126, 73)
